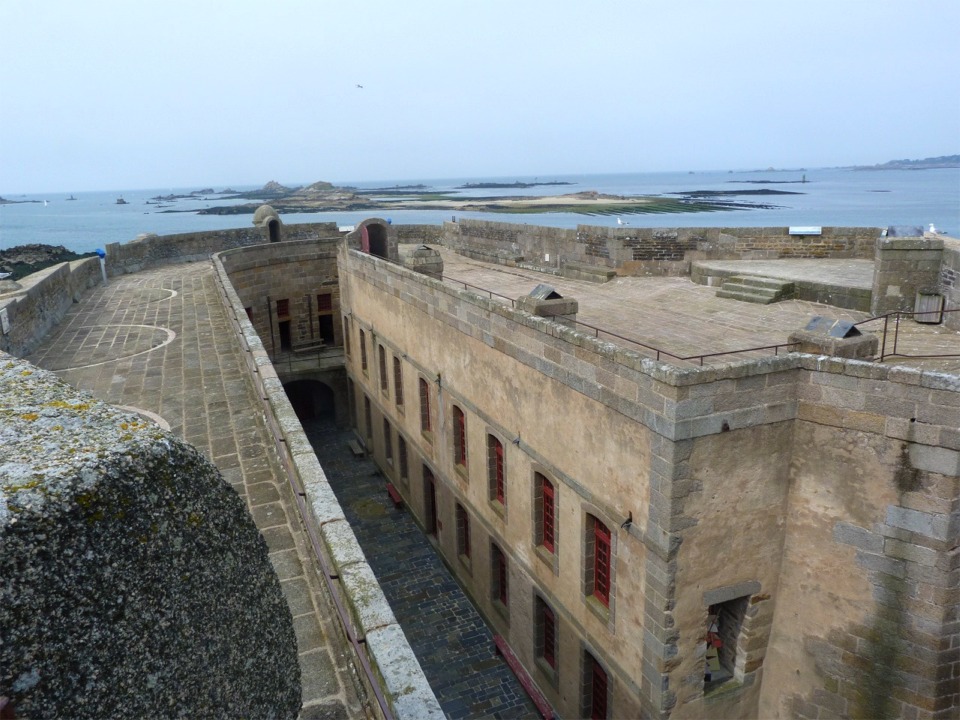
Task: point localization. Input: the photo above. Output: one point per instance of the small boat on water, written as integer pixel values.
(71, 198)
(121, 201)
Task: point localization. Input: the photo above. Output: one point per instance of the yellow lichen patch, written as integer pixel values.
(27, 372)
(30, 417)
(29, 485)
(62, 405)
(57, 428)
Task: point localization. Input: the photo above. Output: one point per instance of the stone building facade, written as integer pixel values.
(605, 510)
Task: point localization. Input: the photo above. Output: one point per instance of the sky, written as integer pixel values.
(104, 95)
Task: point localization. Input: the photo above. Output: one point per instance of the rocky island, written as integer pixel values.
(326, 197)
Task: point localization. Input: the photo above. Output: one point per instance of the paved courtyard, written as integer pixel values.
(445, 630)
(159, 342)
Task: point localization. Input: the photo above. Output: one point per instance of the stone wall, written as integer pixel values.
(745, 483)
(155, 250)
(42, 301)
(296, 271)
(420, 234)
(133, 582)
(903, 267)
(371, 623)
(649, 251)
(950, 282)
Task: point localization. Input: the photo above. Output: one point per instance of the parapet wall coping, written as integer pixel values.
(398, 671)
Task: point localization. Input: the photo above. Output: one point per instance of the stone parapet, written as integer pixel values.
(904, 266)
(396, 673)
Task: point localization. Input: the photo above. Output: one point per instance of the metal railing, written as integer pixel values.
(655, 352)
(897, 316)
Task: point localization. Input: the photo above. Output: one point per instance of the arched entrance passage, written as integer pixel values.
(311, 400)
(273, 226)
(373, 239)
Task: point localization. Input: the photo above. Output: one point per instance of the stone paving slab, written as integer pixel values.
(448, 635)
(684, 318)
(160, 341)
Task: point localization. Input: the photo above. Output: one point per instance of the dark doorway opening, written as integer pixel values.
(273, 226)
(311, 400)
(378, 239)
(284, 326)
(326, 329)
(429, 503)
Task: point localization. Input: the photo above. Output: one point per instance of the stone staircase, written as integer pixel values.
(754, 289)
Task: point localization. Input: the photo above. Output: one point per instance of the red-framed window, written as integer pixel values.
(384, 381)
(283, 308)
(459, 437)
(547, 512)
(546, 634)
(363, 351)
(598, 689)
(424, 406)
(495, 470)
(500, 592)
(398, 380)
(463, 532)
(324, 302)
(601, 562)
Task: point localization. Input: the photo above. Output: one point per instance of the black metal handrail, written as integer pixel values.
(898, 315)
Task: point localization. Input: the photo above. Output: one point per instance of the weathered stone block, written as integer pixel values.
(135, 583)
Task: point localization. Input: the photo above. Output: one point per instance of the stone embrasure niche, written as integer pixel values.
(133, 582)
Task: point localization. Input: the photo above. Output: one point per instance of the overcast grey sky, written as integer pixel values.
(115, 95)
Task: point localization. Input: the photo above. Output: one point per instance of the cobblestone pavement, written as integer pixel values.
(448, 635)
(159, 342)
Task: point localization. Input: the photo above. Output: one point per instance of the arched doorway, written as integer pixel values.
(273, 226)
(374, 239)
(312, 400)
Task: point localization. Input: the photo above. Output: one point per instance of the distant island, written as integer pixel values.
(326, 197)
(931, 163)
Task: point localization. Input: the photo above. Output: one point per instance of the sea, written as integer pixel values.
(825, 197)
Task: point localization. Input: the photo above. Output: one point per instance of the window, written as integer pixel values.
(384, 382)
(546, 514)
(424, 406)
(351, 403)
(724, 623)
(363, 351)
(598, 556)
(498, 577)
(325, 318)
(595, 688)
(398, 382)
(495, 470)
(459, 438)
(346, 335)
(283, 309)
(324, 302)
(283, 324)
(463, 532)
(368, 419)
(402, 457)
(249, 311)
(387, 442)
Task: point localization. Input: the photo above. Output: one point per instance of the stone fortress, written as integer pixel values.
(653, 523)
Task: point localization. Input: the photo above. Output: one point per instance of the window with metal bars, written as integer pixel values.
(596, 688)
(424, 406)
(499, 578)
(495, 470)
(398, 382)
(384, 377)
(545, 503)
(324, 302)
(459, 438)
(283, 308)
(601, 562)
(463, 532)
(363, 351)
(546, 633)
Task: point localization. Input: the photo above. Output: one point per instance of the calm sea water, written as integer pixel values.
(831, 196)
